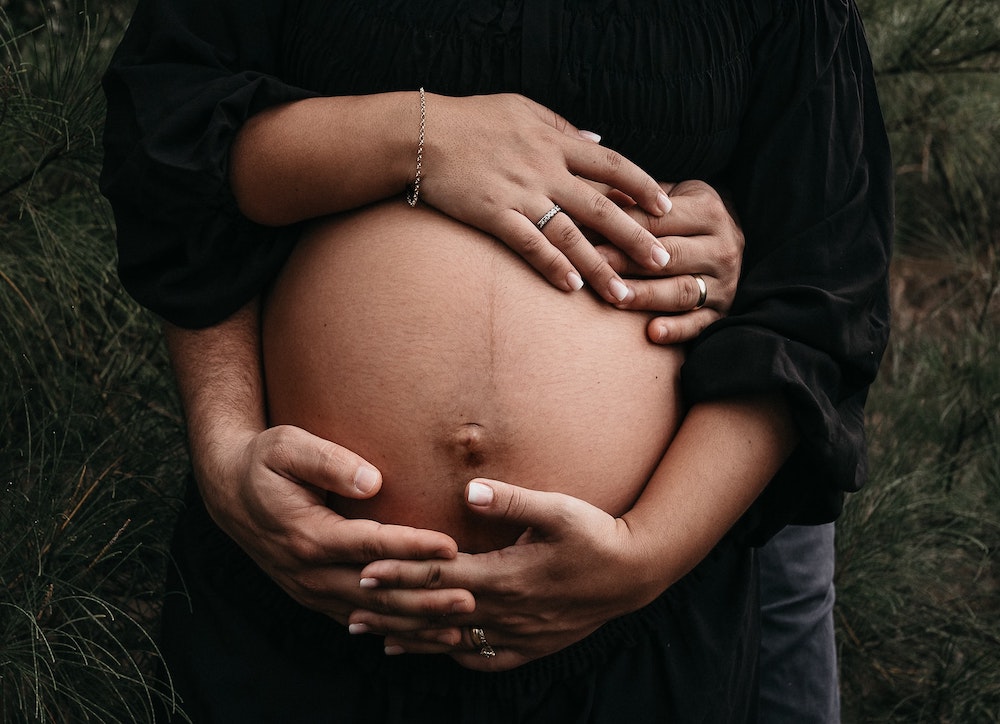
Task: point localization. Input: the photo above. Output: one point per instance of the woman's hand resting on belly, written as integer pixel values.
(578, 567)
(575, 568)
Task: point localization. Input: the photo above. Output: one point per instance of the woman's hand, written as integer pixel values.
(574, 568)
(501, 162)
(703, 238)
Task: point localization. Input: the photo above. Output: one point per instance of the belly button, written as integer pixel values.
(470, 443)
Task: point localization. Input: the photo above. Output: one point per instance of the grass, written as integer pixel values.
(91, 444)
(918, 576)
(91, 450)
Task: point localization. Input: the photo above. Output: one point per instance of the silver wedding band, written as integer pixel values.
(549, 215)
(479, 639)
(702, 292)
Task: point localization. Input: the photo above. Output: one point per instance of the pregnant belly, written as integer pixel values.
(435, 353)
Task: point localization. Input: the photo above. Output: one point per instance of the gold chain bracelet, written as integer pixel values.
(413, 193)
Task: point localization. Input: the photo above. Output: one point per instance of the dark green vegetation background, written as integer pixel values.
(92, 454)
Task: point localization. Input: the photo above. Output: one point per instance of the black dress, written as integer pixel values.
(773, 100)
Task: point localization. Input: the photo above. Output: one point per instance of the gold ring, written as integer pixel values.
(479, 638)
(549, 215)
(702, 292)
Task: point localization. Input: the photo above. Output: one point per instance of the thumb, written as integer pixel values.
(517, 506)
(297, 454)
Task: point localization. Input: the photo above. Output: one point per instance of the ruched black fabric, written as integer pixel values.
(773, 100)
(242, 651)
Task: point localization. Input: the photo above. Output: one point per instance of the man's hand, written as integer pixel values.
(259, 496)
(267, 488)
(703, 238)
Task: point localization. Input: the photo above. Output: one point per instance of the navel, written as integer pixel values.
(470, 443)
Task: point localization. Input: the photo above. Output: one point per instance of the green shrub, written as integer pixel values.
(918, 576)
(91, 452)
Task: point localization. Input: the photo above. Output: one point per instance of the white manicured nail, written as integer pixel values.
(661, 257)
(618, 290)
(665, 203)
(574, 281)
(480, 494)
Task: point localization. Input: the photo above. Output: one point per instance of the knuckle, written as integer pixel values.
(432, 576)
(643, 296)
(304, 549)
(380, 602)
(532, 245)
(601, 207)
(599, 273)
(370, 547)
(567, 236)
(703, 196)
(506, 589)
(739, 241)
(327, 457)
(730, 259)
(308, 590)
(644, 219)
(639, 238)
(276, 445)
(517, 504)
(614, 160)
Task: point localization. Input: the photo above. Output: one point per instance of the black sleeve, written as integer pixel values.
(812, 183)
(187, 74)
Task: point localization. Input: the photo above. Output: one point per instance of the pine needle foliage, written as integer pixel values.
(938, 65)
(91, 452)
(918, 576)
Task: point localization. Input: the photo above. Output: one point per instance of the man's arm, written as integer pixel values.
(267, 488)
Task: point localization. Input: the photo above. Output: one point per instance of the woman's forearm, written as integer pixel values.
(322, 155)
(722, 458)
(495, 162)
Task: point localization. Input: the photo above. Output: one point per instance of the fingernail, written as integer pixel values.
(357, 628)
(661, 257)
(574, 281)
(664, 203)
(590, 136)
(365, 479)
(394, 650)
(618, 290)
(480, 494)
(369, 583)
